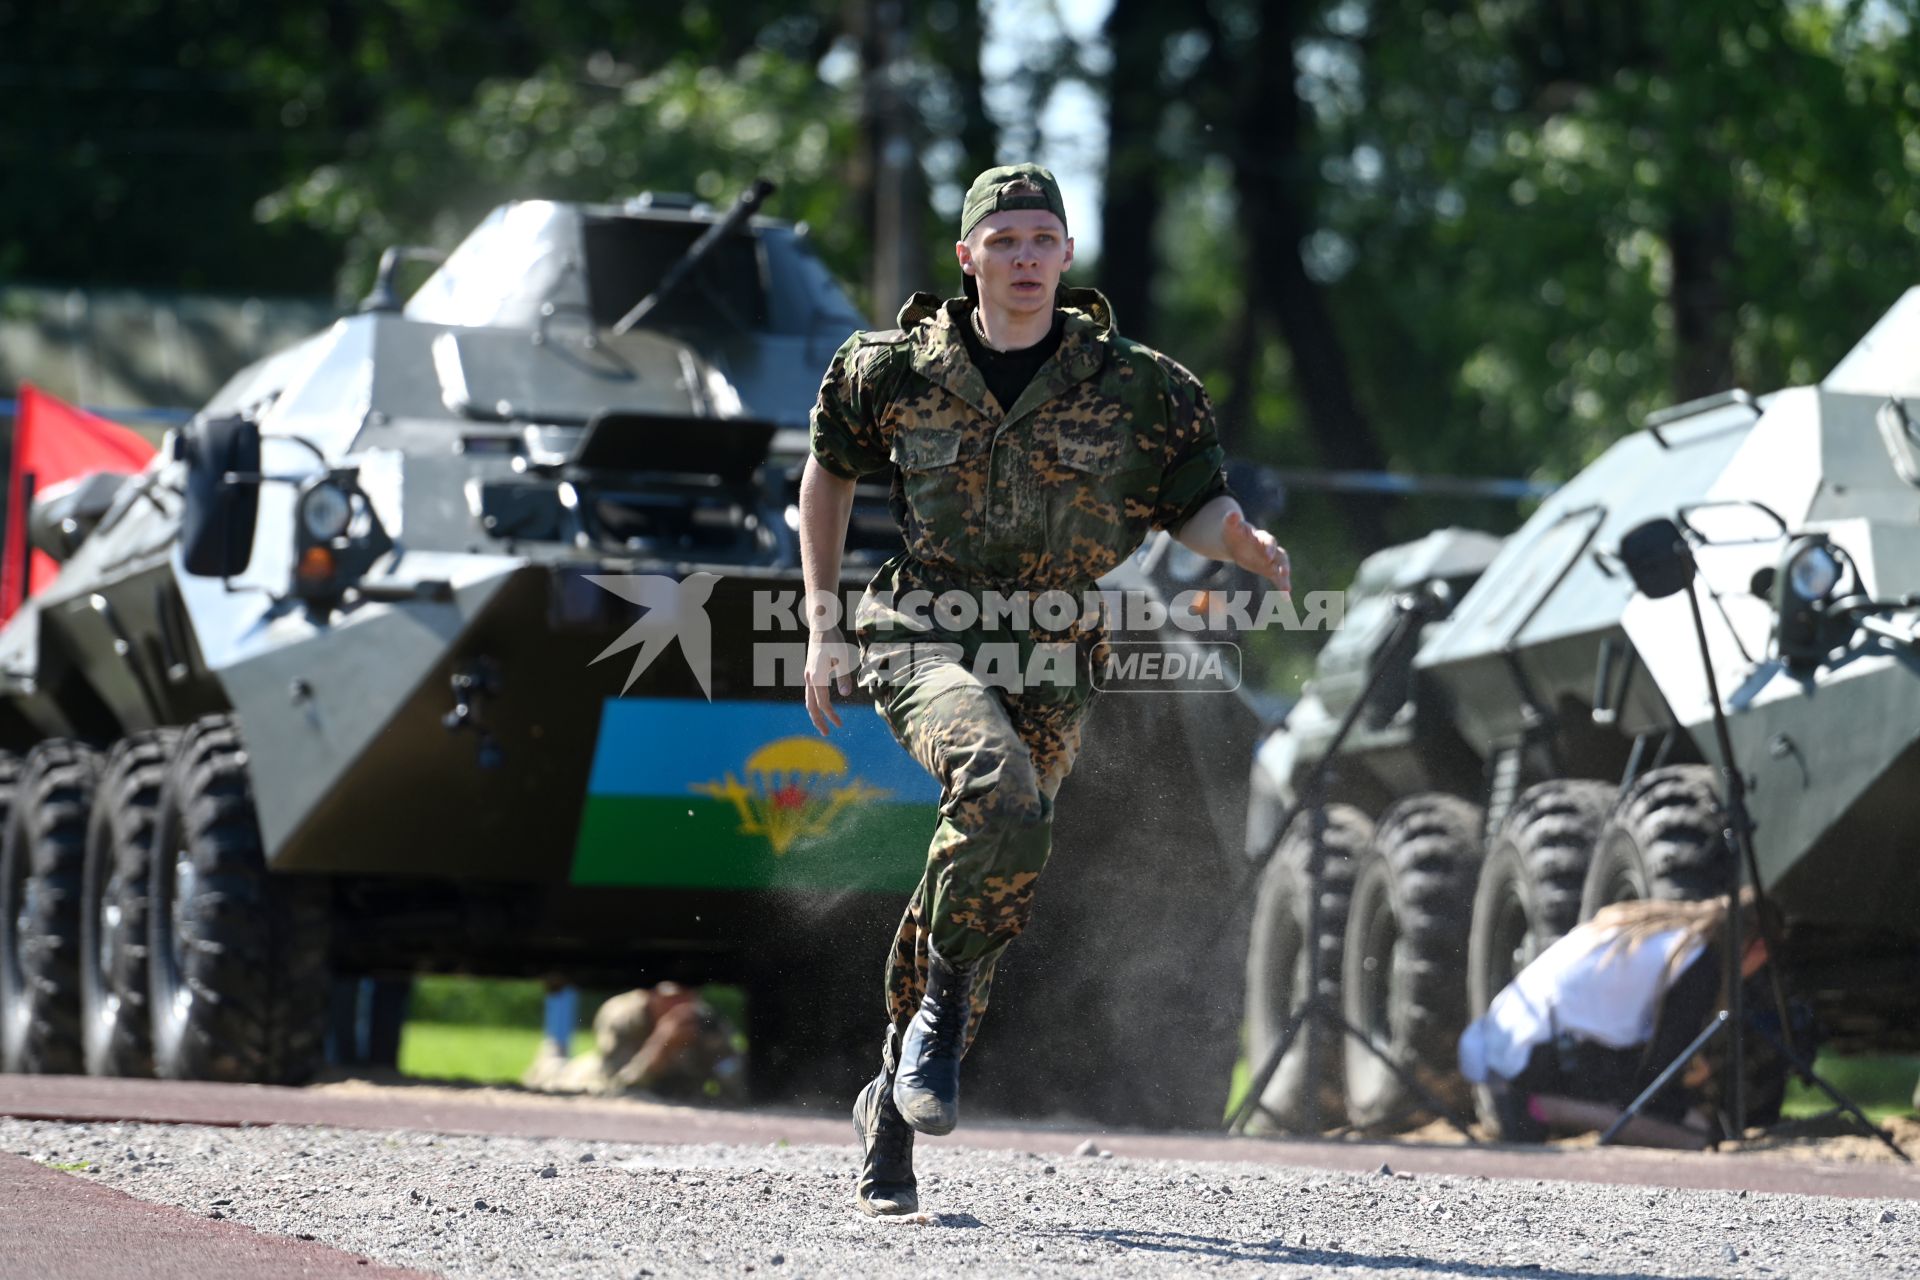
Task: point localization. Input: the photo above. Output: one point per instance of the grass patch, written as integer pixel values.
(516, 1002)
(1881, 1086)
(1237, 1087)
(487, 1030)
(483, 1055)
(70, 1166)
(480, 1002)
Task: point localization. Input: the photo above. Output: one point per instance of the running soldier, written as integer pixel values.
(1032, 449)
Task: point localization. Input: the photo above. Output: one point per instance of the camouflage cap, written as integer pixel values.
(1011, 186)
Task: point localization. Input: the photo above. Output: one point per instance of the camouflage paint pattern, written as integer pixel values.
(1109, 441)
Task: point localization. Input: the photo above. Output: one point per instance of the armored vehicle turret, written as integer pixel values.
(464, 636)
(1547, 746)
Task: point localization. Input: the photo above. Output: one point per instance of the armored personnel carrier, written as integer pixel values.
(463, 636)
(1545, 745)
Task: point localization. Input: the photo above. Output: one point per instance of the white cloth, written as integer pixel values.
(1581, 986)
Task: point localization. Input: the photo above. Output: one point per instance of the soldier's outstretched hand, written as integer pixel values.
(1257, 551)
(829, 667)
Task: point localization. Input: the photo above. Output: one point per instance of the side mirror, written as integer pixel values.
(218, 517)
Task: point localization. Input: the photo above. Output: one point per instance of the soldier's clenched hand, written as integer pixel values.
(1256, 551)
(829, 666)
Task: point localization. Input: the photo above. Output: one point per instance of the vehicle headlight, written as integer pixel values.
(1813, 572)
(325, 511)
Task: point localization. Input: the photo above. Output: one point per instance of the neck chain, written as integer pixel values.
(981, 329)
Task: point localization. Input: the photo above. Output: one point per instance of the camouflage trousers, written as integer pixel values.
(999, 758)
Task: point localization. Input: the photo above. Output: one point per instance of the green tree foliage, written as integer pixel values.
(1470, 236)
(429, 175)
(757, 89)
(1530, 221)
(1542, 221)
(140, 140)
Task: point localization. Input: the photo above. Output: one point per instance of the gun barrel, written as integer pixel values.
(749, 202)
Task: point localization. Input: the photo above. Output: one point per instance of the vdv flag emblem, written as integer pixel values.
(794, 787)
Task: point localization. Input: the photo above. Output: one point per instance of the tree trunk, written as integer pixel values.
(1700, 242)
(887, 183)
(960, 57)
(1136, 34)
(1273, 179)
(1243, 351)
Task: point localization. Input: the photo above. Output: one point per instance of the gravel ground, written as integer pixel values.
(549, 1208)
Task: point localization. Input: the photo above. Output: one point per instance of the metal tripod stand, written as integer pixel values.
(1661, 563)
(1413, 608)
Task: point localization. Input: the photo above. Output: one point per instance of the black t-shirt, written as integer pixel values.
(1008, 372)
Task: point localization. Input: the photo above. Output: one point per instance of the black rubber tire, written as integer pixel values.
(1527, 899)
(237, 954)
(115, 1032)
(1665, 838)
(1276, 967)
(40, 868)
(1404, 973)
(1532, 880)
(12, 893)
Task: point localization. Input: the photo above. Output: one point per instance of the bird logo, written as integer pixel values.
(675, 609)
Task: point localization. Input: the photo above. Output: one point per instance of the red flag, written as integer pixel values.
(54, 441)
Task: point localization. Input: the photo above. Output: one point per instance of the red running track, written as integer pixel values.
(56, 1224)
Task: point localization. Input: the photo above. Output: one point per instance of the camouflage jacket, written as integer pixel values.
(1110, 440)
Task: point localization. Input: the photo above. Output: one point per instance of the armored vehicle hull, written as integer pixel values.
(1572, 712)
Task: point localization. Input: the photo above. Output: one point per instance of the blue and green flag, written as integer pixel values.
(746, 795)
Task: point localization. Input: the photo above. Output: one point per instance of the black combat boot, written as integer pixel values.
(887, 1185)
(927, 1086)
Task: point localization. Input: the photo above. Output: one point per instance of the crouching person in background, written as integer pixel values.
(1597, 1016)
(662, 1042)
